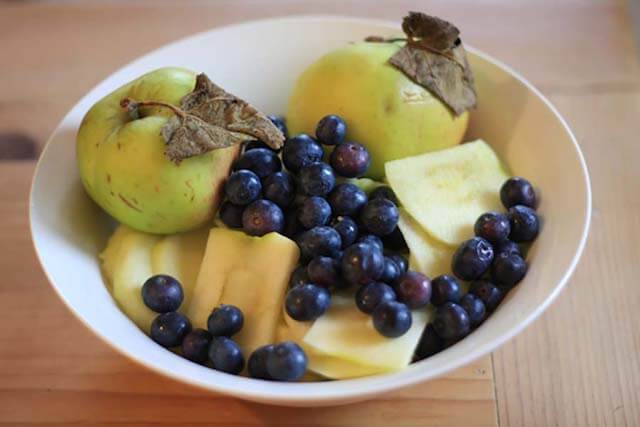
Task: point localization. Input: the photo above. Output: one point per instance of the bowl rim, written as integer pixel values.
(366, 387)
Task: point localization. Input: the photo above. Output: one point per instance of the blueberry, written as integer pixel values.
(517, 191)
(281, 124)
(444, 289)
(507, 270)
(317, 179)
(493, 227)
(362, 263)
(313, 212)
(225, 355)
(257, 365)
(169, 329)
(242, 187)
(252, 145)
(472, 259)
(301, 151)
(379, 216)
(299, 276)
(474, 308)
(371, 240)
(401, 261)
(391, 272)
(195, 346)
(280, 189)
(508, 247)
(347, 199)
(524, 224)
(451, 322)
(225, 321)
(413, 289)
(231, 215)
(384, 192)
(262, 217)
(430, 343)
(350, 159)
(395, 241)
(162, 293)
(372, 295)
(286, 362)
(347, 228)
(324, 271)
(392, 319)
(331, 130)
(319, 241)
(307, 302)
(487, 292)
(261, 161)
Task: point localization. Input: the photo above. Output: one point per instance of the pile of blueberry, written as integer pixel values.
(493, 262)
(214, 347)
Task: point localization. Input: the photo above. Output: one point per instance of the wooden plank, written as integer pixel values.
(53, 370)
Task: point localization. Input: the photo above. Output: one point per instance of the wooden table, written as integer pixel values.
(579, 364)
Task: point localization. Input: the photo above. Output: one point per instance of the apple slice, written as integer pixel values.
(251, 273)
(132, 269)
(345, 333)
(109, 256)
(428, 255)
(446, 191)
(180, 256)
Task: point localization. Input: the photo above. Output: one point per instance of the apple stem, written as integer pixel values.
(133, 105)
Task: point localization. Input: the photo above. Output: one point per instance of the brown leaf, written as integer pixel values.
(434, 58)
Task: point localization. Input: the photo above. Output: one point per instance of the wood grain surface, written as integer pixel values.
(578, 365)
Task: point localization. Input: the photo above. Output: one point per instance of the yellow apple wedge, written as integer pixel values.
(109, 256)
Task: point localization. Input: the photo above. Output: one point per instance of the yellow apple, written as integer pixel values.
(124, 169)
(384, 110)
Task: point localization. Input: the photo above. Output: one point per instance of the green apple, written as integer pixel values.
(384, 110)
(124, 169)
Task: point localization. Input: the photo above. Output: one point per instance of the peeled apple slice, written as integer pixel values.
(132, 269)
(109, 255)
(180, 256)
(251, 273)
(446, 191)
(428, 255)
(345, 333)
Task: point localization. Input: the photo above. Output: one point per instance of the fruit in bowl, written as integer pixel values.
(327, 355)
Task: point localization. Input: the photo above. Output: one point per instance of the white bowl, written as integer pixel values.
(259, 61)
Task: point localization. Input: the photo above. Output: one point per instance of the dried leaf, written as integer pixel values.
(434, 58)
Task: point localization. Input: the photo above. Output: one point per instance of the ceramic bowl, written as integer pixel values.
(522, 126)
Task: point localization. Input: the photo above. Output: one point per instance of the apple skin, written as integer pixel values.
(124, 169)
(384, 110)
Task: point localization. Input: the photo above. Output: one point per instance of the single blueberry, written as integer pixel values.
(231, 215)
(472, 259)
(445, 288)
(350, 159)
(347, 228)
(493, 227)
(525, 224)
(257, 365)
(319, 241)
(286, 362)
(261, 161)
(413, 289)
(162, 293)
(324, 271)
(280, 189)
(379, 216)
(392, 319)
(262, 217)
(475, 309)
(362, 263)
(317, 179)
(242, 187)
(301, 151)
(225, 355)
(517, 191)
(195, 345)
(307, 302)
(507, 270)
(225, 321)
(169, 329)
(347, 199)
(369, 296)
(313, 212)
(331, 130)
(451, 322)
